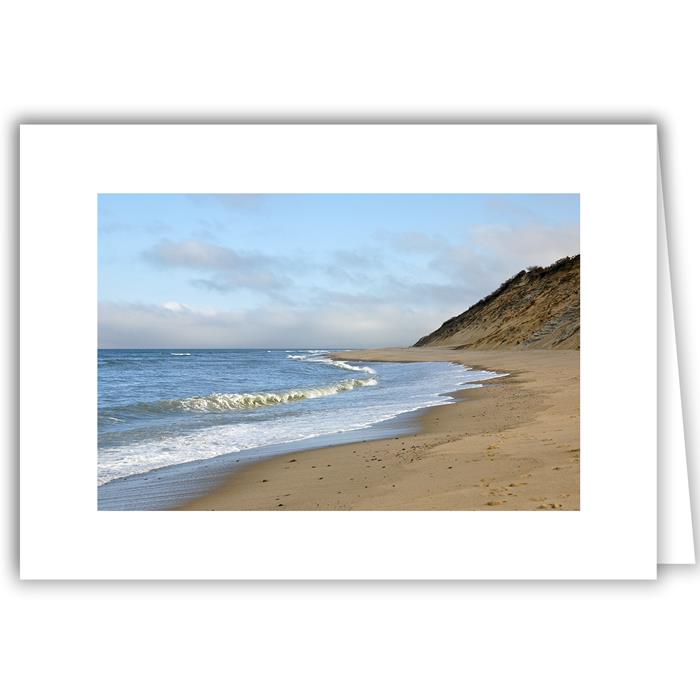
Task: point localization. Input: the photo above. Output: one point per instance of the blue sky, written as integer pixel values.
(181, 270)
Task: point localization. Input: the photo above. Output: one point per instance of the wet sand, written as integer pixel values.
(511, 445)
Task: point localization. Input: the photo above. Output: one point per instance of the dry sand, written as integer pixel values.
(512, 445)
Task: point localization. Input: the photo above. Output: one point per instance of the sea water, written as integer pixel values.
(158, 408)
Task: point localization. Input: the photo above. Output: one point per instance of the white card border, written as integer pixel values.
(613, 167)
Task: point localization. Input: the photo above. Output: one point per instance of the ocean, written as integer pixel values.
(160, 408)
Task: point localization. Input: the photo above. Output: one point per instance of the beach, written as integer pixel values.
(511, 445)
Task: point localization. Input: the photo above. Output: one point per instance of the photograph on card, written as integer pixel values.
(343, 351)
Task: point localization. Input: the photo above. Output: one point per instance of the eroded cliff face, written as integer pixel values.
(537, 308)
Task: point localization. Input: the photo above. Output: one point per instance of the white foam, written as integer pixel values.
(231, 402)
(317, 358)
(143, 457)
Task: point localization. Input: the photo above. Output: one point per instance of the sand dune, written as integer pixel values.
(537, 308)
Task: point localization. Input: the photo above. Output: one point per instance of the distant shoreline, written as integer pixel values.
(511, 445)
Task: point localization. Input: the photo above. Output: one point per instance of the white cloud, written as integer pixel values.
(230, 269)
(528, 245)
(194, 254)
(336, 325)
(348, 300)
(412, 242)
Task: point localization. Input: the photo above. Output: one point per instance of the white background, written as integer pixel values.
(216, 61)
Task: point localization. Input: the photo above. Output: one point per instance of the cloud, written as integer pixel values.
(335, 325)
(358, 268)
(489, 249)
(231, 269)
(453, 274)
(346, 298)
(511, 208)
(427, 294)
(366, 258)
(194, 254)
(528, 245)
(412, 242)
(488, 255)
(258, 280)
(174, 306)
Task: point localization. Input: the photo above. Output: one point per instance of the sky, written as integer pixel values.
(312, 270)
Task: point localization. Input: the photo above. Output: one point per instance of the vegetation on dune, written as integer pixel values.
(538, 307)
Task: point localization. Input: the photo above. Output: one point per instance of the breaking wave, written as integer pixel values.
(233, 402)
(316, 357)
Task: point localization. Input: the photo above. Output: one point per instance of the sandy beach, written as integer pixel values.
(511, 445)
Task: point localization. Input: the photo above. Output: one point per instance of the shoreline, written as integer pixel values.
(510, 445)
(174, 485)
